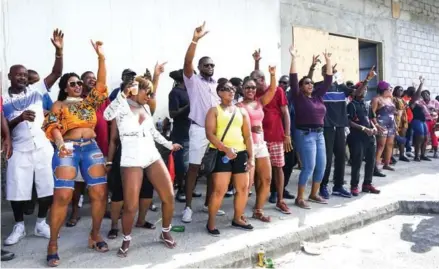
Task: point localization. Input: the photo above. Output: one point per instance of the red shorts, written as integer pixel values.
(277, 153)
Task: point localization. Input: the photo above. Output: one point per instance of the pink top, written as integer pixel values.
(256, 115)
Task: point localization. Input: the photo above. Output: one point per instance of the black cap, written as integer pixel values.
(128, 72)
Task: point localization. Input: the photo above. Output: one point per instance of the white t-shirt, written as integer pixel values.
(27, 136)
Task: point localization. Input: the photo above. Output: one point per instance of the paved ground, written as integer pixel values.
(399, 242)
(413, 181)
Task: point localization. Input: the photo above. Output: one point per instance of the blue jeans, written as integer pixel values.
(409, 137)
(419, 128)
(181, 157)
(312, 152)
(83, 158)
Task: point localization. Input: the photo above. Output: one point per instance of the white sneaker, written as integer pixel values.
(219, 213)
(187, 215)
(409, 154)
(17, 234)
(42, 229)
(81, 201)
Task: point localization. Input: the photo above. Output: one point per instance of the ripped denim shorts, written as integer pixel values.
(86, 154)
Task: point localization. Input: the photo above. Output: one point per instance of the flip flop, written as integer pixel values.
(72, 222)
(147, 225)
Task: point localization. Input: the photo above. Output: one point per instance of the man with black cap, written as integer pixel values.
(126, 75)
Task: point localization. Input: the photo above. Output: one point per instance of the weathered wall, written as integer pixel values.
(410, 43)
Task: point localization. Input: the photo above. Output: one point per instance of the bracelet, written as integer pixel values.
(59, 144)
(58, 56)
(108, 163)
(194, 42)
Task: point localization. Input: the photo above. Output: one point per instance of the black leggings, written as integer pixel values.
(116, 186)
(18, 207)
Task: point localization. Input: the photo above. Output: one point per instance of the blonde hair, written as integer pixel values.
(144, 84)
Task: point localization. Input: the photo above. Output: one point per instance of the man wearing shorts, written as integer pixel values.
(32, 151)
(276, 125)
(202, 95)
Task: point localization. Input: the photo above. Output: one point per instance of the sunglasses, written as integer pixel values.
(78, 83)
(283, 82)
(209, 65)
(308, 82)
(227, 89)
(250, 88)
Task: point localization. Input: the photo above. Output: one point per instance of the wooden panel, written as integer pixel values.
(345, 52)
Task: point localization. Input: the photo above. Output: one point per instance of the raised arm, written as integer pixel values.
(321, 89)
(99, 94)
(158, 70)
(294, 80)
(199, 33)
(58, 43)
(268, 96)
(417, 94)
(360, 91)
(315, 60)
(257, 57)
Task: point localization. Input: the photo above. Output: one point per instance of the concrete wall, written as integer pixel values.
(410, 43)
(137, 33)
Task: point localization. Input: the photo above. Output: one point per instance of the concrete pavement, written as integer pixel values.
(235, 248)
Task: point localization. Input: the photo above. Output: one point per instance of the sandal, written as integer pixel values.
(302, 204)
(113, 233)
(72, 222)
(99, 246)
(123, 253)
(53, 259)
(259, 215)
(146, 225)
(318, 200)
(168, 243)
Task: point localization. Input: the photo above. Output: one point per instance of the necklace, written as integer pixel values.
(73, 100)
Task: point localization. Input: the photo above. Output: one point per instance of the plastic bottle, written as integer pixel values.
(226, 159)
(261, 256)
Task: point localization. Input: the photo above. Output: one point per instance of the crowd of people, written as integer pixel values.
(239, 133)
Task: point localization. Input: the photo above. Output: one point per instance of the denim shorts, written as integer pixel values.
(83, 158)
(419, 128)
(181, 157)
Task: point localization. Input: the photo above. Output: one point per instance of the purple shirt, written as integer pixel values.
(202, 96)
(309, 110)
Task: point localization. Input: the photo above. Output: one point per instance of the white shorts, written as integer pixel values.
(20, 174)
(138, 152)
(197, 143)
(260, 150)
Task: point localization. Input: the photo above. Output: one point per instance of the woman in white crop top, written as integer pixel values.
(139, 155)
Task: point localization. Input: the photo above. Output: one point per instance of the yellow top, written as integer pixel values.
(234, 138)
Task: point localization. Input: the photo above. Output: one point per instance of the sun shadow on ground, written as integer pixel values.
(425, 235)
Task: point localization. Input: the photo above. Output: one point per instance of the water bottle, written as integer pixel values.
(226, 159)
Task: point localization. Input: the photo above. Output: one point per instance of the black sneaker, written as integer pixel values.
(247, 227)
(7, 256)
(425, 158)
(196, 194)
(181, 197)
(215, 232)
(288, 195)
(378, 173)
(404, 159)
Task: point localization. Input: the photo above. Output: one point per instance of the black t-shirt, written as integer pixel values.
(179, 98)
(360, 113)
(335, 102)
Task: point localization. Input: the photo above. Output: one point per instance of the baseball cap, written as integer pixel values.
(128, 72)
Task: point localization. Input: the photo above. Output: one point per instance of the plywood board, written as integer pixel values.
(345, 52)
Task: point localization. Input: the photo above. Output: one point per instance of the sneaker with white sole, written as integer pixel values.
(219, 213)
(187, 215)
(42, 229)
(18, 233)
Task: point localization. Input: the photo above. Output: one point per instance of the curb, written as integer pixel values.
(275, 247)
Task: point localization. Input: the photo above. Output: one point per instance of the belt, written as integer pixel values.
(310, 130)
(81, 142)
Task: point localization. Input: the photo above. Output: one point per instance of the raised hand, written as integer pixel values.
(200, 32)
(58, 39)
(257, 55)
(315, 60)
(293, 51)
(159, 68)
(272, 70)
(327, 56)
(98, 47)
(371, 73)
(421, 79)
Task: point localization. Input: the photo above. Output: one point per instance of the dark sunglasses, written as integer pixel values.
(227, 89)
(308, 82)
(74, 83)
(283, 82)
(209, 65)
(250, 88)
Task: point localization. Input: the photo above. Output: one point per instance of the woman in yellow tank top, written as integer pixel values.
(234, 159)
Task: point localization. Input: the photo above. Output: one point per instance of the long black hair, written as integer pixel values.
(62, 95)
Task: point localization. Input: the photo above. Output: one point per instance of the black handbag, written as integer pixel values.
(209, 158)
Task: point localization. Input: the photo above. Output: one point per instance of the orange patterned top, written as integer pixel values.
(77, 115)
